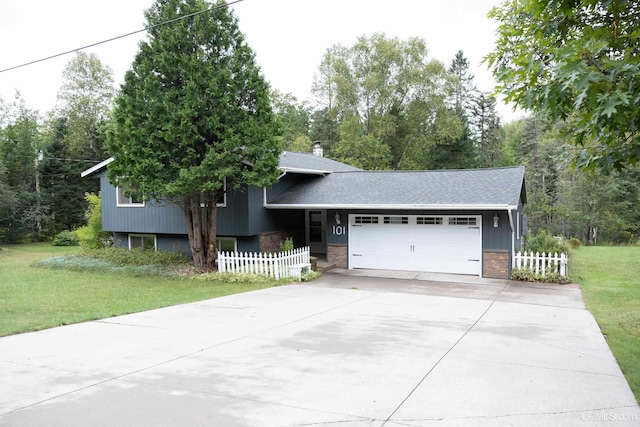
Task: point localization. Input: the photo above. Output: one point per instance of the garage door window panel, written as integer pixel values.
(396, 220)
(429, 220)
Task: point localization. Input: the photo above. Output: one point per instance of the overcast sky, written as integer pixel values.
(289, 37)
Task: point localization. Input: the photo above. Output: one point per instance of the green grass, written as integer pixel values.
(33, 298)
(610, 280)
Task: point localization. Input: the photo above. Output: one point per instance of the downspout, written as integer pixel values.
(513, 240)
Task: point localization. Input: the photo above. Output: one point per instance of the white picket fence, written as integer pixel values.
(541, 263)
(277, 265)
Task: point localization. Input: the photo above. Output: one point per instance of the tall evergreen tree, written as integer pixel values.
(457, 150)
(194, 112)
(62, 188)
(464, 87)
(486, 130)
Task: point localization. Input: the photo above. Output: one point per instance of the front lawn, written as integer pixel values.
(610, 280)
(33, 298)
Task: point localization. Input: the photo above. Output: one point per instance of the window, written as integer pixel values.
(221, 202)
(132, 200)
(226, 244)
(142, 241)
(366, 220)
(396, 220)
(429, 220)
(462, 220)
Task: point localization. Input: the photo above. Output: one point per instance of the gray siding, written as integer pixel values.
(153, 218)
(167, 218)
(285, 183)
(496, 238)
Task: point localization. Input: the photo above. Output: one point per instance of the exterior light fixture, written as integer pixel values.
(337, 218)
(496, 219)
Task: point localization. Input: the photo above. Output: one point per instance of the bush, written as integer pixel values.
(310, 275)
(286, 245)
(528, 275)
(137, 257)
(66, 238)
(91, 235)
(545, 242)
(82, 263)
(574, 243)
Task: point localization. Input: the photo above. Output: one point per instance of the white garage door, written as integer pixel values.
(439, 244)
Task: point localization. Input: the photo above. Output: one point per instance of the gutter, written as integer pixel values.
(383, 206)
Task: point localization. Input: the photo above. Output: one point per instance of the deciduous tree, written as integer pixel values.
(577, 61)
(390, 86)
(84, 100)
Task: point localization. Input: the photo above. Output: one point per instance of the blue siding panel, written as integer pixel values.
(166, 218)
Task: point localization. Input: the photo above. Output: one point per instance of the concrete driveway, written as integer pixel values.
(345, 350)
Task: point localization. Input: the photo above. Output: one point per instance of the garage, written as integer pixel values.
(429, 243)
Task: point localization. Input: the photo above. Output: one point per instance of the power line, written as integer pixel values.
(119, 37)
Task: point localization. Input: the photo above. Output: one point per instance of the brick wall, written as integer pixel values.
(337, 254)
(496, 264)
(270, 241)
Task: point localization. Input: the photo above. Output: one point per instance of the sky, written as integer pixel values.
(288, 37)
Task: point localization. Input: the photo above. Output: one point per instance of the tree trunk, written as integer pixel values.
(210, 237)
(193, 218)
(201, 227)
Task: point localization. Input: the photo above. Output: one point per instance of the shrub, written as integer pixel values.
(137, 257)
(310, 275)
(66, 238)
(545, 242)
(82, 263)
(528, 275)
(91, 235)
(286, 245)
(574, 243)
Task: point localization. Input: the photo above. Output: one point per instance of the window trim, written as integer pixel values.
(233, 239)
(155, 240)
(131, 203)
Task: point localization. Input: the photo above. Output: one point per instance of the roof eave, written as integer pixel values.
(96, 168)
(305, 171)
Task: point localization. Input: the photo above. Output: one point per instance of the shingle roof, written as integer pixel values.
(290, 160)
(481, 188)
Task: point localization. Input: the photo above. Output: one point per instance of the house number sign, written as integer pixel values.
(339, 230)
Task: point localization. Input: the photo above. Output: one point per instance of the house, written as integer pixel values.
(447, 221)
